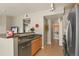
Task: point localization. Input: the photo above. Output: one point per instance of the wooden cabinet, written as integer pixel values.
(36, 45)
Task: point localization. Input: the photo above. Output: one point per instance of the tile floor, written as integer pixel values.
(51, 50)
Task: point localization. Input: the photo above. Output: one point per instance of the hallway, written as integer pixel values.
(51, 50)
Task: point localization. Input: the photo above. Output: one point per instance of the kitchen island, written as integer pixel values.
(29, 45)
(15, 46)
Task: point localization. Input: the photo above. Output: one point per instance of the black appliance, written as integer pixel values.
(24, 49)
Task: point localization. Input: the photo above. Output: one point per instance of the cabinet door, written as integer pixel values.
(40, 42)
(36, 45)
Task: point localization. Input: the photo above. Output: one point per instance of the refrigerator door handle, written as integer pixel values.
(70, 30)
(70, 34)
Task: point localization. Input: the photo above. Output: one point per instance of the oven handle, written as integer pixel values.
(27, 45)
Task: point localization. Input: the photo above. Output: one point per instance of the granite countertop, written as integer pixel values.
(17, 35)
(25, 39)
(23, 34)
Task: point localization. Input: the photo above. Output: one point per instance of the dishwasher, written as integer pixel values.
(24, 49)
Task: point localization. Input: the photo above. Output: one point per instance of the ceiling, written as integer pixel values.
(53, 17)
(21, 8)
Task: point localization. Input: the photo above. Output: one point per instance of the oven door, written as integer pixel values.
(24, 49)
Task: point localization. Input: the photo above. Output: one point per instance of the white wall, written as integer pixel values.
(49, 31)
(9, 22)
(60, 32)
(2, 24)
(18, 22)
(45, 30)
(5, 23)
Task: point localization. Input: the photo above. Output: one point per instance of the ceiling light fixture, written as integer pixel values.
(52, 7)
(26, 15)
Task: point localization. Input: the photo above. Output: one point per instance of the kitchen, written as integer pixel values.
(26, 24)
(16, 42)
(24, 39)
(19, 44)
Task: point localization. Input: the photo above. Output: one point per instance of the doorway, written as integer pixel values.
(52, 35)
(52, 29)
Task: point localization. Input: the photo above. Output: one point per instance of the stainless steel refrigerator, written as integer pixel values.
(72, 34)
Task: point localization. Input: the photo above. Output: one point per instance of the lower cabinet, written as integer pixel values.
(36, 45)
